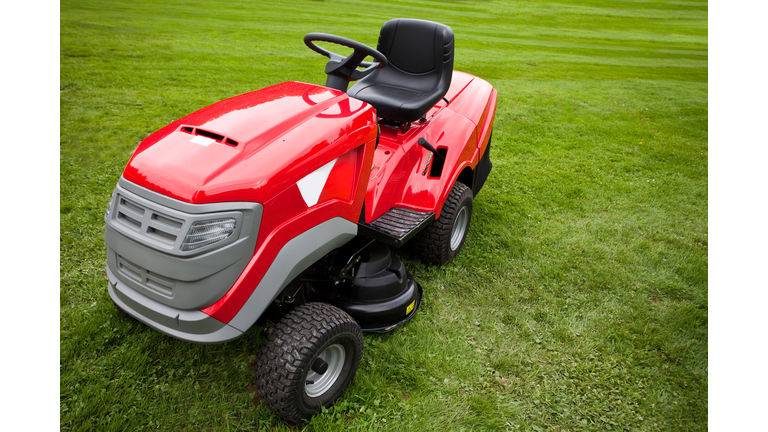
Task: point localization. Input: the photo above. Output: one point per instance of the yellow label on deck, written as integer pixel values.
(410, 307)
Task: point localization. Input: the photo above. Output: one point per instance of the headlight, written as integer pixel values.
(207, 232)
(109, 206)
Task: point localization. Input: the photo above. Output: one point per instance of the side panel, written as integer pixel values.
(485, 130)
(401, 174)
(401, 178)
(287, 217)
(473, 102)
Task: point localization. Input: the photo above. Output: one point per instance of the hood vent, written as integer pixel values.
(212, 135)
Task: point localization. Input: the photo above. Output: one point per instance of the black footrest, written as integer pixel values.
(396, 226)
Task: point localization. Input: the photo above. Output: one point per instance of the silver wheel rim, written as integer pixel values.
(459, 228)
(333, 355)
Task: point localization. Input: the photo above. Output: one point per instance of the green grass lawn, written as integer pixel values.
(580, 299)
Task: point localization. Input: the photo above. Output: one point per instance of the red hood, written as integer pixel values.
(265, 141)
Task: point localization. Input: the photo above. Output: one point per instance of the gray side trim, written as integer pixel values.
(295, 257)
(190, 326)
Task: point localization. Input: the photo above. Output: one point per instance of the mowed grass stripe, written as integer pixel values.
(647, 11)
(555, 56)
(594, 46)
(662, 35)
(663, 4)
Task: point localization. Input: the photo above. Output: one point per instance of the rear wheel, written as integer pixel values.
(442, 240)
(309, 358)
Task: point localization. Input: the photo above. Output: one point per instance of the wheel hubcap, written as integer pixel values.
(459, 228)
(316, 383)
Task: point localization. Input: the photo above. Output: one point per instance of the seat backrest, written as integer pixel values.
(417, 46)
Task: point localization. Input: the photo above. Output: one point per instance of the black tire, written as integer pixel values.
(284, 376)
(442, 240)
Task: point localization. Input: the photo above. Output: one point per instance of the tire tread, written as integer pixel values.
(286, 354)
(432, 244)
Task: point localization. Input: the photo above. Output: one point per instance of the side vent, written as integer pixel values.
(436, 170)
(208, 134)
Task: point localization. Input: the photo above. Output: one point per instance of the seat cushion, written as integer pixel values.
(420, 55)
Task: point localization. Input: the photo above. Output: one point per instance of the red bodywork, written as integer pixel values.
(260, 144)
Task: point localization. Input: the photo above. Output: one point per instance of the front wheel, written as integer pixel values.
(309, 358)
(442, 240)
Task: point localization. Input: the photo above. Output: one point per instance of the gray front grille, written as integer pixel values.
(147, 279)
(147, 221)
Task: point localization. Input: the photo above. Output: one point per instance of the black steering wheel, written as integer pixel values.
(341, 70)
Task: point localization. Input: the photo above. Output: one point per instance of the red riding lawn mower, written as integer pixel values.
(284, 204)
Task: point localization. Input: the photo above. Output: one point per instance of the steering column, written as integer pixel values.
(341, 70)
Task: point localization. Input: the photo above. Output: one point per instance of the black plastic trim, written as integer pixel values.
(483, 169)
(396, 226)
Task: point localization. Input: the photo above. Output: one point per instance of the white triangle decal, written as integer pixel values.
(312, 185)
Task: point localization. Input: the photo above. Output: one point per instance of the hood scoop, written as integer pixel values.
(208, 134)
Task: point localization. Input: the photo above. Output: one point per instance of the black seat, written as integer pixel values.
(420, 55)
